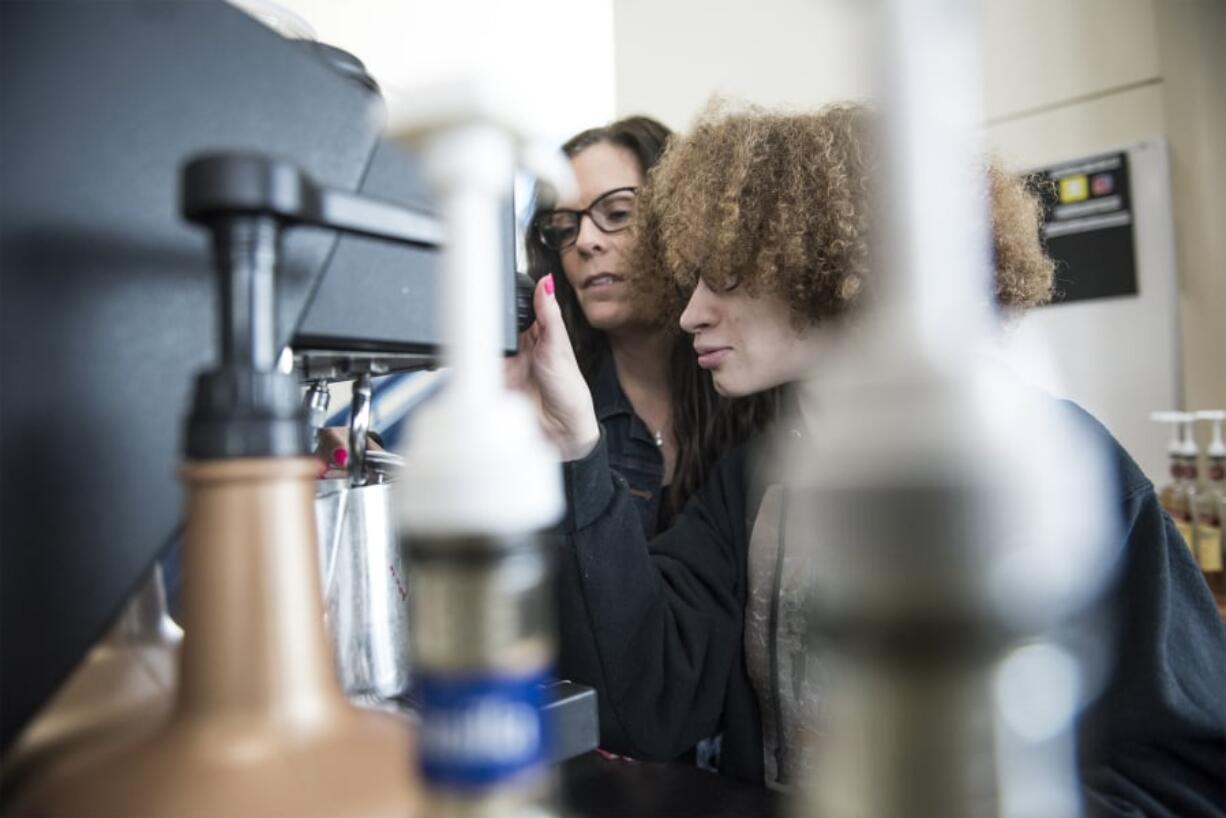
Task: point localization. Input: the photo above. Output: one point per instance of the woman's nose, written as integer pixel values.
(590, 238)
(699, 312)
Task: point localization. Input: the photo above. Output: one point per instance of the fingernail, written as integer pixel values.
(340, 457)
(549, 283)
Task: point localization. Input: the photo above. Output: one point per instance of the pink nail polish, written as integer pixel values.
(549, 283)
(340, 457)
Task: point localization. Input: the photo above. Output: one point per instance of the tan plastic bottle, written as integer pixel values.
(121, 690)
(259, 726)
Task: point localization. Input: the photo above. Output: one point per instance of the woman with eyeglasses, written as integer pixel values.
(664, 423)
(762, 220)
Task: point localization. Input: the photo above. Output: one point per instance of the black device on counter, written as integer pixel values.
(108, 299)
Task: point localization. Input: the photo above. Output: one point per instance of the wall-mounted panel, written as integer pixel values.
(1118, 356)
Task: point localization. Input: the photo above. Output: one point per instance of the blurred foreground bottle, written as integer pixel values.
(955, 521)
(480, 486)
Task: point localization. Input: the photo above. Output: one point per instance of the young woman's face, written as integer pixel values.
(594, 264)
(747, 342)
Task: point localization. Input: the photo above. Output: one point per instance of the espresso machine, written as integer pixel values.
(114, 142)
(110, 301)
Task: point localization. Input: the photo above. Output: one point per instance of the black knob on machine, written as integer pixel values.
(525, 313)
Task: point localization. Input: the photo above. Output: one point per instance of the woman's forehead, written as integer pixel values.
(600, 168)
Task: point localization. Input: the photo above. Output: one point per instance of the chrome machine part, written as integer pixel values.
(364, 575)
(359, 428)
(316, 399)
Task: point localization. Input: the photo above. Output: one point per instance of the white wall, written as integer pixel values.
(1119, 357)
(672, 55)
(1192, 47)
(1063, 78)
(1066, 80)
(555, 55)
(1045, 53)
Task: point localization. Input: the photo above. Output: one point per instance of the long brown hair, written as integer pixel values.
(704, 425)
(646, 139)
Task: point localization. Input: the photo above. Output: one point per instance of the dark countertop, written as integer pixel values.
(596, 787)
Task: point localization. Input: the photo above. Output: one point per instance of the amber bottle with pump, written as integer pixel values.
(1189, 470)
(1211, 506)
(259, 726)
(1177, 496)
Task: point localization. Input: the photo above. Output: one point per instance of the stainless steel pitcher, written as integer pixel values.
(362, 568)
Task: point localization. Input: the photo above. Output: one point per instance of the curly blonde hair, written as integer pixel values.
(779, 203)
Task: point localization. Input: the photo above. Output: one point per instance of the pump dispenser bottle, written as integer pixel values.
(1175, 496)
(1211, 506)
(480, 486)
(1189, 470)
(259, 726)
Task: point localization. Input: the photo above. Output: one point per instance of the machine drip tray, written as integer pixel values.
(570, 714)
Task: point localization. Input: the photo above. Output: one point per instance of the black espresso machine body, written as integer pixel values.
(108, 303)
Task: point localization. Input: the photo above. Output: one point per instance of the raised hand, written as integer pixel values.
(545, 369)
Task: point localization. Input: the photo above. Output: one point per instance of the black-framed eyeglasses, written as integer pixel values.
(610, 212)
(687, 290)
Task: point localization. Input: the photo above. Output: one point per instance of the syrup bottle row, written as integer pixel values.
(1196, 499)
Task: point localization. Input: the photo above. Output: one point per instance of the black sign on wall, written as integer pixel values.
(1088, 227)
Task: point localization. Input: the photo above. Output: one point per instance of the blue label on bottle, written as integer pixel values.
(478, 731)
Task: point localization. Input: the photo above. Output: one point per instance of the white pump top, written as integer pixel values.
(1187, 445)
(1174, 446)
(1216, 448)
(477, 463)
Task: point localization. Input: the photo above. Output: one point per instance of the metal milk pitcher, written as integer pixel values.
(362, 569)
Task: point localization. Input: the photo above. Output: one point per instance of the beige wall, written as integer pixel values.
(1062, 78)
(1042, 53)
(553, 57)
(670, 56)
(1192, 46)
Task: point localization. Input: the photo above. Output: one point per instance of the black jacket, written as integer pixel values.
(632, 450)
(657, 629)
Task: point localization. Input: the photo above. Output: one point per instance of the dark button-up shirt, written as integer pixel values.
(658, 631)
(632, 448)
